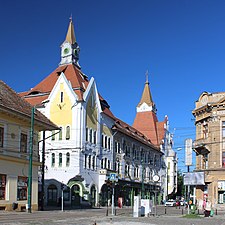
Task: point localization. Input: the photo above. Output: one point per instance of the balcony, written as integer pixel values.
(201, 146)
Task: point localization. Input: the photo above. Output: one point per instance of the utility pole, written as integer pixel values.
(113, 197)
(188, 170)
(142, 183)
(43, 173)
(29, 199)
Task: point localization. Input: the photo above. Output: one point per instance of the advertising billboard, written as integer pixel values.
(194, 178)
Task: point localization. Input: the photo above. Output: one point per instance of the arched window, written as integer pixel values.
(68, 133)
(102, 140)
(60, 134)
(90, 136)
(105, 142)
(60, 159)
(94, 137)
(105, 166)
(109, 143)
(67, 159)
(86, 134)
(89, 162)
(53, 135)
(85, 161)
(108, 166)
(102, 163)
(93, 162)
(53, 159)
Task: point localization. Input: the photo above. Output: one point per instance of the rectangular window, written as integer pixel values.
(60, 159)
(223, 134)
(22, 188)
(223, 159)
(205, 161)
(1, 136)
(61, 97)
(23, 142)
(2, 186)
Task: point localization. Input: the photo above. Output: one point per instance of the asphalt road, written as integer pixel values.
(100, 216)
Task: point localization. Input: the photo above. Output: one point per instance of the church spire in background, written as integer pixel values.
(146, 103)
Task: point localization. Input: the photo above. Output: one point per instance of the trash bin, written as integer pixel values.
(193, 208)
(15, 205)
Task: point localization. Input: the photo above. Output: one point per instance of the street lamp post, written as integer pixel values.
(30, 161)
(142, 183)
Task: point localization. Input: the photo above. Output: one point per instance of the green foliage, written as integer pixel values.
(192, 216)
(180, 184)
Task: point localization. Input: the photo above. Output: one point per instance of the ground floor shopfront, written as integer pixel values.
(124, 192)
(214, 188)
(76, 195)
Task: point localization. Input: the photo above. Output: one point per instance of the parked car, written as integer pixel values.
(170, 202)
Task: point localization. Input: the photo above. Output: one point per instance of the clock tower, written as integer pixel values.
(70, 50)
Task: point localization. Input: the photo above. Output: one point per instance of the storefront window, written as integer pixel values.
(22, 188)
(2, 186)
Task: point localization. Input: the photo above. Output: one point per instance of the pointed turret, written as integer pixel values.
(146, 119)
(70, 49)
(70, 37)
(146, 103)
(146, 95)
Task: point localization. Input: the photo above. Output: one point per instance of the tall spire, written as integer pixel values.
(146, 95)
(70, 49)
(70, 37)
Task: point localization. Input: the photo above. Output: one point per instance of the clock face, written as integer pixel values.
(156, 178)
(66, 51)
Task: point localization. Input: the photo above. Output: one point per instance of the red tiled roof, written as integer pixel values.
(11, 102)
(78, 80)
(134, 133)
(147, 123)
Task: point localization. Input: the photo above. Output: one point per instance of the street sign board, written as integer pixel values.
(113, 177)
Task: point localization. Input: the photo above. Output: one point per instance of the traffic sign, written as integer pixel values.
(112, 177)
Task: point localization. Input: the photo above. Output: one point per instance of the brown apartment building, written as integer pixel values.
(209, 146)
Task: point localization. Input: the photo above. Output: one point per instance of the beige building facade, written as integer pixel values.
(209, 146)
(15, 146)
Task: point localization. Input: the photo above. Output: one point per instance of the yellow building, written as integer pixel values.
(209, 146)
(86, 151)
(15, 127)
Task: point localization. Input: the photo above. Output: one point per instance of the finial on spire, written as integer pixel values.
(70, 37)
(146, 74)
(71, 17)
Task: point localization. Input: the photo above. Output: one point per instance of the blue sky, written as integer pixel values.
(180, 42)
